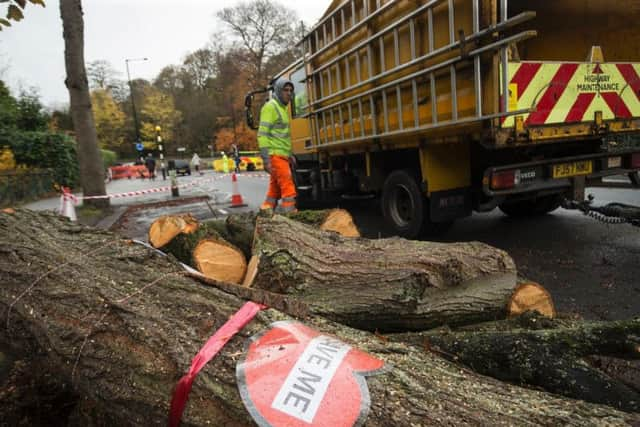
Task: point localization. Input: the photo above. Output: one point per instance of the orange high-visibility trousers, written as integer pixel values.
(281, 186)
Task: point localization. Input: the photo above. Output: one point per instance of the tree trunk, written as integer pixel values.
(385, 284)
(117, 325)
(537, 351)
(89, 157)
(239, 229)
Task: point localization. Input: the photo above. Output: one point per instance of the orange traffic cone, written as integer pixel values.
(236, 198)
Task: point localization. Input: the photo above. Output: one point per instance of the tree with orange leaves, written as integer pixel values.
(242, 136)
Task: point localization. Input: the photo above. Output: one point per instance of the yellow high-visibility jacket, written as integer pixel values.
(274, 132)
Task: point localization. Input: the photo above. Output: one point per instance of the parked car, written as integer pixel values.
(182, 167)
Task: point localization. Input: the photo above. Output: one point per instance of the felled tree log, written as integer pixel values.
(220, 261)
(536, 351)
(202, 248)
(385, 284)
(166, 228)
(239, 229)
(180, 234)
(117, 325)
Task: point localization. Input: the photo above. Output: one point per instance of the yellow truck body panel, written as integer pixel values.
(459, 92)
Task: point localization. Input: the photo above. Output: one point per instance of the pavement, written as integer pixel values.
(205, 196)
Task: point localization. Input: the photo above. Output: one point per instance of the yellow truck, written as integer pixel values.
(445, 107)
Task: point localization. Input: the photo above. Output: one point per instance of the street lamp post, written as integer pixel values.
(133, 103)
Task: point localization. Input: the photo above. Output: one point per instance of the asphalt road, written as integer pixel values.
(591, 269)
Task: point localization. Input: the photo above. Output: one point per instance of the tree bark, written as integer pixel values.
(239, 229)
(541, 352)
(89, 157)
(117, 325)
(385, 284)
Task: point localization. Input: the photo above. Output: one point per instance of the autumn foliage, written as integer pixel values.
(242, 136)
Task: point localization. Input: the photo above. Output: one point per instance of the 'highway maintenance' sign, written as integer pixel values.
(292, 375)
(572, 92)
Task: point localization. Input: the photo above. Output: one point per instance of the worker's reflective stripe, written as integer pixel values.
(280, 126)
(274, 134)
(267, 124)
(280, 134)
(274, 102)
(288, 200)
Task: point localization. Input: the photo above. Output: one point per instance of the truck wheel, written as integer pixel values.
(403, 204)
(635, 178)
(532, 207)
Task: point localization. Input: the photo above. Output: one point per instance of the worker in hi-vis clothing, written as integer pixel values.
(274, 140)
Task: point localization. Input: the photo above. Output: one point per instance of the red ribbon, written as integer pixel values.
(206, 353)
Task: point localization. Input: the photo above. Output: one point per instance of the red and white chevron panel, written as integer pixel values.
(561, 93)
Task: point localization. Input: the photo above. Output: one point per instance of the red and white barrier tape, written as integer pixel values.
(159, 189)
(155, 190)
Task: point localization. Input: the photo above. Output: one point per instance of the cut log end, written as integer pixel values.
(531, 296)
(165, 228)
(252, 271)
(220, 261)
(341, 222)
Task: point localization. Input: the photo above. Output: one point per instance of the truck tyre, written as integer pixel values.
(635, 178)
(403, 204)
(532, 207)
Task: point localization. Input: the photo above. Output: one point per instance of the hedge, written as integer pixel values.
(44, 150)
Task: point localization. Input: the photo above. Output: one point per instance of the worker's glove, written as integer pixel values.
(293, 162)
(266, 159)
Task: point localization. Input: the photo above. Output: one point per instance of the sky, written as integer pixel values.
(164, 31)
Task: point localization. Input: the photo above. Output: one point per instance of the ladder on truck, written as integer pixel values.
(335, 115)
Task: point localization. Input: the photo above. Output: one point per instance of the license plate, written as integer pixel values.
(564, 170)
(614, 162)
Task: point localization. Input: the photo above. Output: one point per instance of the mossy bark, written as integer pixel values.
(119, 324)
(239, 229)
(541, 352)
(385, 284)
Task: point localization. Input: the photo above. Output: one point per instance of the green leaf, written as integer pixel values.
(21, 3)
(5, 22)
(40, 2)
(14, 13)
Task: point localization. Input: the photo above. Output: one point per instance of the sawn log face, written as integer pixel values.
(121, 324)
